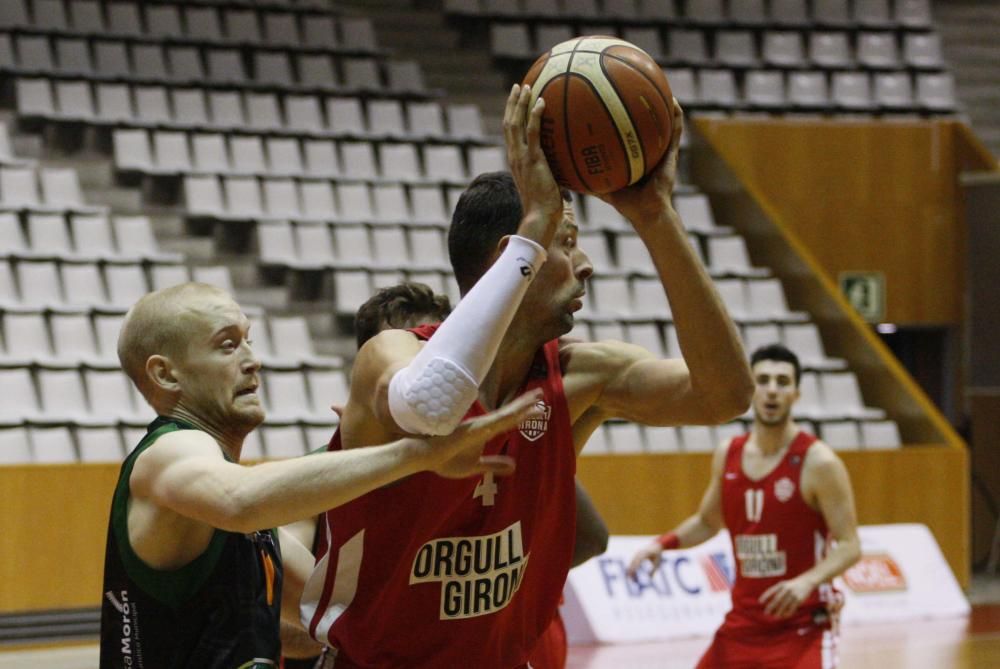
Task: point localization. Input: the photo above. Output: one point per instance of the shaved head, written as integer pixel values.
(162, 323)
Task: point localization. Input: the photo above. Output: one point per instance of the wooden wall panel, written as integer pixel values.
(55, 521)
(863, 196)
(54, 518)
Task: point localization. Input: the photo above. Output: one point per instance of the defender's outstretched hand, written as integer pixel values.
(460, 454)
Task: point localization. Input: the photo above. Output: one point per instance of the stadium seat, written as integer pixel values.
(598, 443)
(783, 49)
(756, 335)
(286, 396)
(687, 47)
(52, 445)
(110, 396)
(747, 12)
(880, 435)
(841, 435)
(661, 439)
(99, 444)
(164, 276)
(84, 286)
(872, 13)
(808, 91)
(923, 51)
(877, 50)
(282, 441)
(649, 300)
(852, 91)
(894, 91)
(73, 339)
(646, 38)
(717, 88)
(646, 335)
(735, 48)
(912, 14)
(696, 439)
(625, 438)
(936, 92)
(830, 50)
(764, 89)
(842, 396)
(831, 13)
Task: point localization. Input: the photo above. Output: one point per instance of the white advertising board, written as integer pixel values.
(902, 575)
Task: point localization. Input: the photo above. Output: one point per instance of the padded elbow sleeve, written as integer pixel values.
(433, 399)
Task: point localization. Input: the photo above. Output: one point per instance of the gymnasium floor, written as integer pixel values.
(972, 643)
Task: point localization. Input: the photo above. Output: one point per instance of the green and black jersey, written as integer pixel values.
(221, 611)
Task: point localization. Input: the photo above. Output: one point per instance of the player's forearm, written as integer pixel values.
(836, 562)
(693, 531)
(279, 493)
(708, 337)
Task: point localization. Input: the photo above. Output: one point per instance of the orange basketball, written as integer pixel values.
(607, 119)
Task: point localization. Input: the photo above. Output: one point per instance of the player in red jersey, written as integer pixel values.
(408, 305)
(786, 500)
(440, 572)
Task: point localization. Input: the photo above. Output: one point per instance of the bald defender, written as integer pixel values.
(194, 576)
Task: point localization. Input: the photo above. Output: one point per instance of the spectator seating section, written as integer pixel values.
(781, 56)
(290, 123)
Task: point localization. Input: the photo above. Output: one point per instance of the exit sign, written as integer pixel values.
(866, 293)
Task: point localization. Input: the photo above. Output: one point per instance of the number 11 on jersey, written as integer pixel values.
(755, 505)
(487, 489)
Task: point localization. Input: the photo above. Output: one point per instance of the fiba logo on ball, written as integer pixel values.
(608, 112)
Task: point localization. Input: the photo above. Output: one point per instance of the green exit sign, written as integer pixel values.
(866, 293)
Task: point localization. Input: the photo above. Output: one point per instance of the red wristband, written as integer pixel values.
(668, 541)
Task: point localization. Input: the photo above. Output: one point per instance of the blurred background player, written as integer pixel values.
(397, 586)
(786, 500)
(192, 575)
(408, 305)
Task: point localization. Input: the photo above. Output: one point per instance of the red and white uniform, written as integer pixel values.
(775, 536)
(440, 573)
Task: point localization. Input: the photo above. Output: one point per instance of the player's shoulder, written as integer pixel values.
(387, 346)
(173, 448)
(183, 441)
(720, 453)
(821, 457)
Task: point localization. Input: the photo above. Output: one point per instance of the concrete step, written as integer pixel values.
(168, 225)
(121, 200)
(92, 172)
(273, 299)
(194, 249)
(27, 146)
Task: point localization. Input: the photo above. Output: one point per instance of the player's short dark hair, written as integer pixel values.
(399, 306)
(778, 353)
(489, 209)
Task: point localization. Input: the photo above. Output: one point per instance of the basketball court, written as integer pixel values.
(952, 644)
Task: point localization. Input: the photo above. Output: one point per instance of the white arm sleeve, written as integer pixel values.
(433, 392)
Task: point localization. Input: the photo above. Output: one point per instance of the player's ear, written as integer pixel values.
(160, 372)
(501, 245)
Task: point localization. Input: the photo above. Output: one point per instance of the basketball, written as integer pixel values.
(607, 118)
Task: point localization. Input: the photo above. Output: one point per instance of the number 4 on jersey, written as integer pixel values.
(487, 489)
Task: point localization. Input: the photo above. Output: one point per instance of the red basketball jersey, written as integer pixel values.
(439, 573)
(775, 536)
